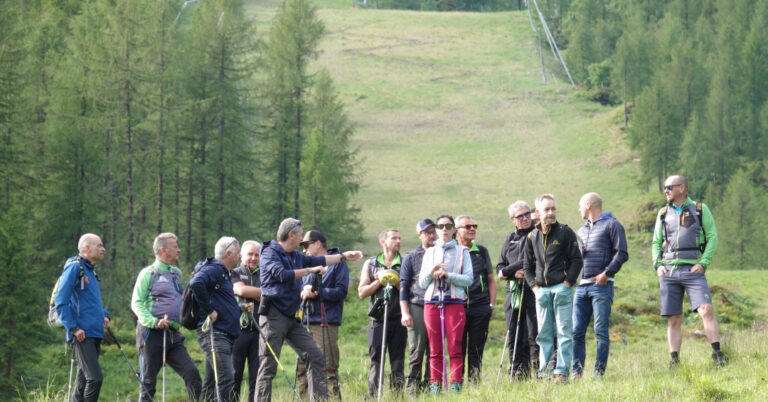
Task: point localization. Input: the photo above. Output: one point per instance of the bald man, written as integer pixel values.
(684, 242)
(78, 304)
(604, 250)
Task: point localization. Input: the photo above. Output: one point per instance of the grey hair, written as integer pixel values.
(543, 197)
(460, 217)
(517, 205)
(162, 241)
(223, 245)
(85, 240)
(287, 226)
(249, 243)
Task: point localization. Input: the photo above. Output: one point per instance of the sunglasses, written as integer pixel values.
(446, 226)
(671, 186)
(525, 215)
(468, 227)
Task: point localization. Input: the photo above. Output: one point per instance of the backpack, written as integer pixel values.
(190, 309)
(53, 317)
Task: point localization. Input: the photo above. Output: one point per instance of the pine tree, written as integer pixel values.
(328, 168)
(740, 245)
(293, 40)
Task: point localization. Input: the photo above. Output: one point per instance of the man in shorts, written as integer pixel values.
(684, 241)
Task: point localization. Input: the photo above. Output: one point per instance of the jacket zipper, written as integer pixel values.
(544, 256)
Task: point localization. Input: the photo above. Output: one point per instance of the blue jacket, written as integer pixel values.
(334, 290)
(277, 277)
(206, 276)
(604, 246)
(78, 300)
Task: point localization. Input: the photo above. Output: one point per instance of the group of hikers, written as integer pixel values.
(436, 300)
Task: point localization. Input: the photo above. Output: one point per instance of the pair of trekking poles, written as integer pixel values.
(517, 294)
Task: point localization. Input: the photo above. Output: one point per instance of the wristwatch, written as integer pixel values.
(343, 257)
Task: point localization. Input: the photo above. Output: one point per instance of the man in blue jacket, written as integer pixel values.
(282, 267)
(324, 296)
(604, 250)
(212, 288)
(78, 304)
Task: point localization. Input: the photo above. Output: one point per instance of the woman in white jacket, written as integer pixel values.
(446, 272)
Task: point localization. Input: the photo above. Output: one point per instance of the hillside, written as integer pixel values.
(451, 116)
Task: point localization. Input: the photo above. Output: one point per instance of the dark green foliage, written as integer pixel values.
(120, 119)
(693, 79)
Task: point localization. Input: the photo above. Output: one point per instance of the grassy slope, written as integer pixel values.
(452, 116)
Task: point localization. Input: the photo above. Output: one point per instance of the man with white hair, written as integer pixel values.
(78, 304)
(247, 287)
(552, 264)
(510, 268)
(212, 289)
(282, 267)
(156, 302)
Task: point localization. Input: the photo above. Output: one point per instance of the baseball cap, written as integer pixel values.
(423, 224)
(311, 237)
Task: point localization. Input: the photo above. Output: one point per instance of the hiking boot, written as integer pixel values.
(455, 387)
(560, 378)
(598, 374)
(674, 362)
(434, 388)
(718, 358)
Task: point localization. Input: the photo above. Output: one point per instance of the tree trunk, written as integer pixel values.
(129, 163)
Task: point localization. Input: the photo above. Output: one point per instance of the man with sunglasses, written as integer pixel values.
(156, 302)
(684, 242)
(481, 297)
(552, 264)
(325, 295)
(604, 247)
(282, 267)
(510, 268)
(412, 308)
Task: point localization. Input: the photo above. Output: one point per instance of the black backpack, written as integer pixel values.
(190, 309)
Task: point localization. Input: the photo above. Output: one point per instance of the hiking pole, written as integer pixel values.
(114, 338)
(519, 314)
(506, 339)
(209, 324)
(280, 365)
(384, 337)
(441, 306)
(165, 335)
(71, 366)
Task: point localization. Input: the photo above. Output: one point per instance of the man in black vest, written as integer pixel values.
(397, 335)
(247, 287)
(481, 297)
(684, 242)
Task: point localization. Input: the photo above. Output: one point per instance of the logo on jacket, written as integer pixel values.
(555, 243)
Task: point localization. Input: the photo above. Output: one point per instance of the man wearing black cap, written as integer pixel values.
(325, 297)
(412, 307)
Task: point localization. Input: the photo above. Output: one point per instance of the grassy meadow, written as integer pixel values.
(452, 116)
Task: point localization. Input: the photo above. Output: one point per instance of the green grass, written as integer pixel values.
(452, 117)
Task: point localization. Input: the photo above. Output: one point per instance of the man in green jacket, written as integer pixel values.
(156, 302)
(684, 241)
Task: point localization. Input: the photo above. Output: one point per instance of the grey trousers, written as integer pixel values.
(89, 377)
(279, 328)
(418, 366)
